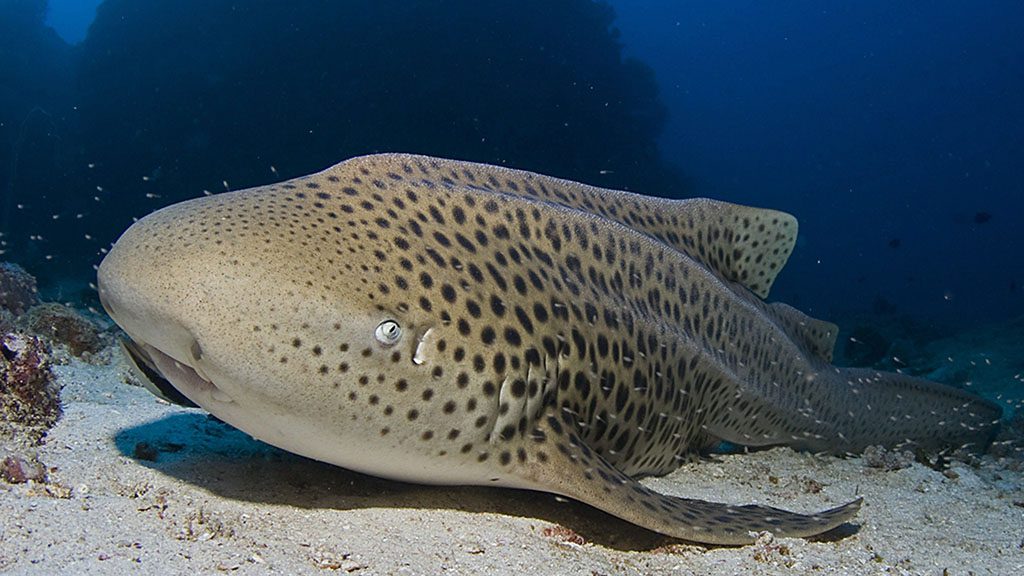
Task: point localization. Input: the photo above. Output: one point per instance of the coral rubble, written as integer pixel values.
(29, 397)
(18, 470)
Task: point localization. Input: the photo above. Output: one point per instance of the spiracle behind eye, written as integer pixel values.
(388, 332)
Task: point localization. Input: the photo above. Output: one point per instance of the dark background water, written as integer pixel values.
(894, 131)
(891, 129)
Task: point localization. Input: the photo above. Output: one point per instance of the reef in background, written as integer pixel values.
(34, 335)
(18, 291)
(986, 360)
(167, 98)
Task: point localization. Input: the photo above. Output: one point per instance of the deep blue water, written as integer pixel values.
(873, 122)
(71, 18)
(894, 131)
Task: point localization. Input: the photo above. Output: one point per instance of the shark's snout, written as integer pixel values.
(137, 296)
(149, 289)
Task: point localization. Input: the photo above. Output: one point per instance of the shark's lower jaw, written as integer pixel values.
(172, 380)
(149, 375)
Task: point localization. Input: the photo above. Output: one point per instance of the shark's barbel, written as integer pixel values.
(446, 322)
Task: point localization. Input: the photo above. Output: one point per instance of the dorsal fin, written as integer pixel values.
(742, 244)
(817, 336)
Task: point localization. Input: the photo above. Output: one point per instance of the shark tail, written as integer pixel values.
(845, 410)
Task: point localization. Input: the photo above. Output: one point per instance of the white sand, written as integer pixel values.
(215, 500)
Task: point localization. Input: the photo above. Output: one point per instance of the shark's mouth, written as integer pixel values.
(168, 378)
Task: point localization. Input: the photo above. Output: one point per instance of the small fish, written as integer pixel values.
(445, 322)
(982, 217)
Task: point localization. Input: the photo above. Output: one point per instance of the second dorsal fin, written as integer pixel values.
(817, 336)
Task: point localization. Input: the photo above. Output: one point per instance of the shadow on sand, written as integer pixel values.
(205, 452)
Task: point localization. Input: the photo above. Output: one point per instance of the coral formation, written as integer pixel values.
(888, 460)
(17, 289)
(60, 324)
(29, 397)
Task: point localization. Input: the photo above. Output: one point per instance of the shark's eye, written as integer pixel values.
(388, 332)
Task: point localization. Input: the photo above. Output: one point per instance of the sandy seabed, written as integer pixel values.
(137, 486)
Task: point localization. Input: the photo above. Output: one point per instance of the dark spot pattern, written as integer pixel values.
(547, 324)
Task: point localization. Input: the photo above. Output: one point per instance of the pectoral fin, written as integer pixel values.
(572, 469)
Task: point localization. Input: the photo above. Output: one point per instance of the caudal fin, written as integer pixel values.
(895, 410)
(845, 410)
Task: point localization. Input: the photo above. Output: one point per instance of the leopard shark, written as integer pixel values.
(446, 322)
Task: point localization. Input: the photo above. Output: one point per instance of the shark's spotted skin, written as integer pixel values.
(447, 322)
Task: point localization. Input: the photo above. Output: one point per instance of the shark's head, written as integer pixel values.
(275, 310)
